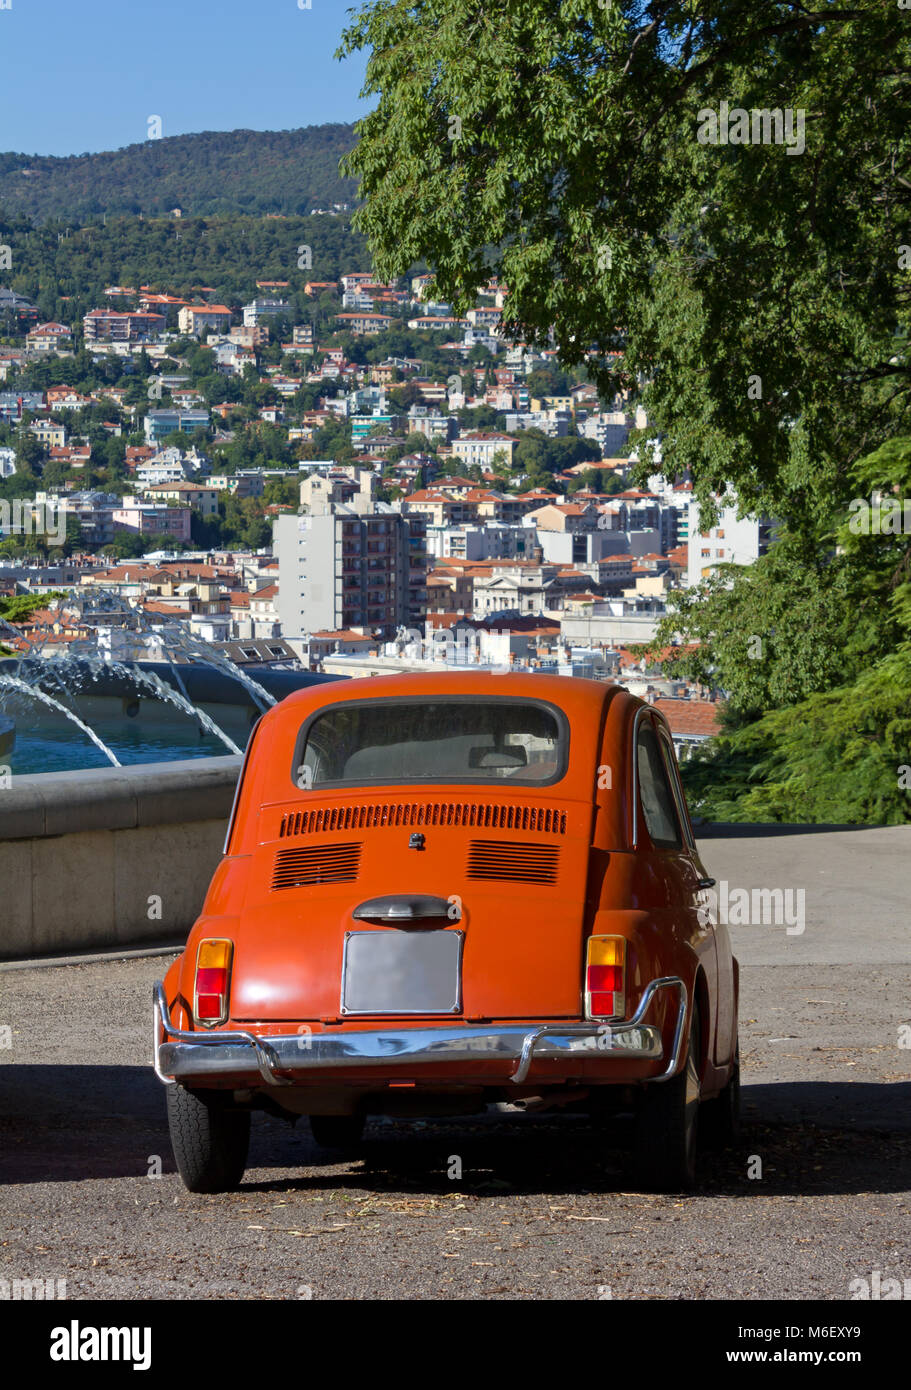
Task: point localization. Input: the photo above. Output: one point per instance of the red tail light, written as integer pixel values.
(605, 988)
(213, 977)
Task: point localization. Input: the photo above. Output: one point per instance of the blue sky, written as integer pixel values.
(85, 75)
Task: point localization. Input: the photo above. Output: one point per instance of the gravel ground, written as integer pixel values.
(544, 1209)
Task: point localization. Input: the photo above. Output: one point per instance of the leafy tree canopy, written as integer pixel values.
(573, 158)
(708, 207)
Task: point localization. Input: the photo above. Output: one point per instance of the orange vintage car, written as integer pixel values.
(443, 891)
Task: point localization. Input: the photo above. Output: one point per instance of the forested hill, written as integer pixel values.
(238, 171)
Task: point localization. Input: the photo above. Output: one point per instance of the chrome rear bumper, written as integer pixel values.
(302, 1058)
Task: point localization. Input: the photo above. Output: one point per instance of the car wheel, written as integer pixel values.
(667, 1125)
(337, 1131)
(721, 1116)
(210, 1138)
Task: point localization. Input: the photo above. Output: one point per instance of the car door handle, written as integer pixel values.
(706, 883)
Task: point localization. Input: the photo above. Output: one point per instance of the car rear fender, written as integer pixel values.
(653, 953)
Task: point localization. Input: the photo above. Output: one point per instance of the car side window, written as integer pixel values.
(673, 773)
(655, 795)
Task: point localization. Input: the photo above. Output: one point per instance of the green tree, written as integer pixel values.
(752, 294)
(126, 545)
(581, 180)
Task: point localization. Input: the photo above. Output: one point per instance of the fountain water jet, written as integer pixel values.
(116, 653)
(33, 692)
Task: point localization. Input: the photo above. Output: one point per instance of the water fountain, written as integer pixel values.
(138, 691)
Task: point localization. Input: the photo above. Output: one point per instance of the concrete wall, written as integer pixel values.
(85, 857)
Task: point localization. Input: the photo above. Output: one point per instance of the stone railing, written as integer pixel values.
(110, 857)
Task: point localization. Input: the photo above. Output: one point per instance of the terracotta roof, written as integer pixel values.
(427, 495)
(127, 572)
(180, 487)
(473, 436)
(159, 606)
(448, 619)
(691, 716)
(189, 569)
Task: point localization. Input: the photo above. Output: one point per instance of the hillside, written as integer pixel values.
(65, 273)
(238, 171)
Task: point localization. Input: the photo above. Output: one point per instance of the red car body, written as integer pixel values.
(444, 890)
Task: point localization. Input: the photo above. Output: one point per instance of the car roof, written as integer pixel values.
(572, 694)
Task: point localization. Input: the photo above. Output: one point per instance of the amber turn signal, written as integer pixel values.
(213, 974)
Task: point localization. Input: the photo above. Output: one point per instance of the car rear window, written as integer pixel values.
(454, 740)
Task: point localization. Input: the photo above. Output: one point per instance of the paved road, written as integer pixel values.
(543, 1210)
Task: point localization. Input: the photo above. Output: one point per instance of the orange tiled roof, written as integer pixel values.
(691, 716)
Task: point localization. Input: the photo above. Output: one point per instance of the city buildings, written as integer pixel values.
(355, 564)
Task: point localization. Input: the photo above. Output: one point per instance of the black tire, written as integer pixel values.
(210, 1138)
(337, 1131)
(721, 1117)
(667, 1125)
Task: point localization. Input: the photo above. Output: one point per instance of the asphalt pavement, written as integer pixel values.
(814, 1197)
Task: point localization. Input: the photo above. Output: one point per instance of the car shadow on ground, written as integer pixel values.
(78, 1123)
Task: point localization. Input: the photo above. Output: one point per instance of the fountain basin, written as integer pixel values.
(7, 734)
(137, 725)
(110, 857)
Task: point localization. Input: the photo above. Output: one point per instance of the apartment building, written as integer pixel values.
(360, 321)
(422, 420)
(201, 499)
(49, 337)
(734, 541)
(247, 483)
(249, 335)
(196, 319)
(49, 433)
(481, 448)
(111, 326)
(259, 309)
(152, 519)
(492, 541)
(554, 423)
(343, 567)
(160, 423)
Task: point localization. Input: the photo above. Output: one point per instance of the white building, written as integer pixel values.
(735, 541)
(167, 466)
(7, 462)
(259, 309)
(480, 447)
(494, 540)
(611, 428)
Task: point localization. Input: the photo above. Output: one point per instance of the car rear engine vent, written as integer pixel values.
(501, 859)
(316, 864)
(539, 820)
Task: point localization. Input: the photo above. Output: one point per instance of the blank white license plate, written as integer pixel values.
(402, 972)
